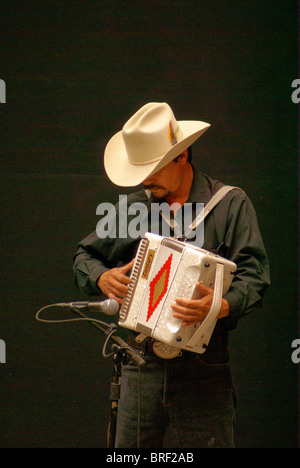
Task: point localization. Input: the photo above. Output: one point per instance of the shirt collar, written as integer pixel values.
(200, 191)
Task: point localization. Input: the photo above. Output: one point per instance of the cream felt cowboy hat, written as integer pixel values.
(149, 140)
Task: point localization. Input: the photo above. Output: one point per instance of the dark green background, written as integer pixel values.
(75, 71)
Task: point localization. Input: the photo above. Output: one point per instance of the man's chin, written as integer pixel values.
(159, 193)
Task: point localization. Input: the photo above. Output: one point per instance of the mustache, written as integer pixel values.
(152, 186)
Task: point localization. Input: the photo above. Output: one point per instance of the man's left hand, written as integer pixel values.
(192, 311)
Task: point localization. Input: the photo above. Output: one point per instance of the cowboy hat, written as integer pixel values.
(149, 140)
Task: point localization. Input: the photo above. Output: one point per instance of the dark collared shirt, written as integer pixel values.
(231, 230)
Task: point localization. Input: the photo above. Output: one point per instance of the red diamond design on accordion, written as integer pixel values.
(159, 287)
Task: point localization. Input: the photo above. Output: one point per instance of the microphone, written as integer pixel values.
(108, 307)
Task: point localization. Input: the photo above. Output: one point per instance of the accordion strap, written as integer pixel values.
(204, 332)
(216, 198)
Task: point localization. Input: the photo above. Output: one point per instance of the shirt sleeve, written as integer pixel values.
(96, 254)
(89, 264)
(244, 246)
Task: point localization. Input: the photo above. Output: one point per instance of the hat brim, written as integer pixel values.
(125, 174)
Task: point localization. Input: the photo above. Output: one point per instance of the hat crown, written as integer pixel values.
(150, 133)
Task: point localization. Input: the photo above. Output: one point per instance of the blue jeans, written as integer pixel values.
(196, 398)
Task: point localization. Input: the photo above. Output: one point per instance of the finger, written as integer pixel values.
(125, 268)
(188, 314)
(204, 290)
(118, 288)
(116, 298)
(192, 304)
(184, 317)
(185, 310)
(121, 278)
(121, 273)
(187, 320)
(185, 324)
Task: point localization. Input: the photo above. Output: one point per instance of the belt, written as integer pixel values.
(217, 352)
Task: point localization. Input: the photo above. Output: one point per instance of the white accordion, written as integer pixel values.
(164, 270)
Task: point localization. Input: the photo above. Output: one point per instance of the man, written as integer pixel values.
(194, 393)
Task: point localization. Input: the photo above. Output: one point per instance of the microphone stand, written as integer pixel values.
(121, 352)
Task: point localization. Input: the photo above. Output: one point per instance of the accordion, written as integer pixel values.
(165, 269)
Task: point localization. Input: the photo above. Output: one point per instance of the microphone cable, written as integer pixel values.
(52, 306)
(110, 330)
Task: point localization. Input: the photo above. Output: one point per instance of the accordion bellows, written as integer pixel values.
(165, 269)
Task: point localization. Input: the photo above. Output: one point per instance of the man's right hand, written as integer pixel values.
(114, 283)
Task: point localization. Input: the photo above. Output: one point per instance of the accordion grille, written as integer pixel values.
(143, 247)
(174, 244)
